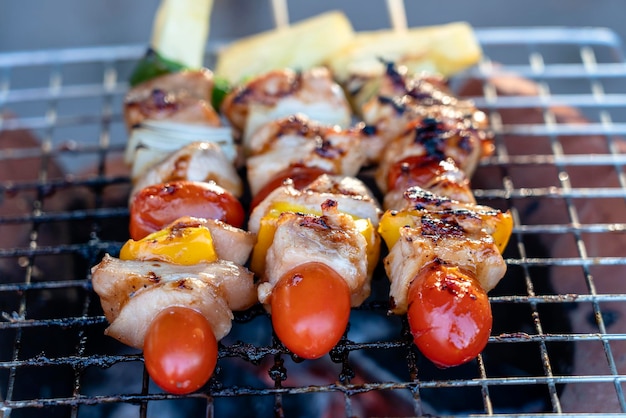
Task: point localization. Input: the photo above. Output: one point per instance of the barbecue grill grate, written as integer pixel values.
(62, 206)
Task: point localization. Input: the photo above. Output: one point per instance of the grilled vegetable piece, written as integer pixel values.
(310, 309)
(449, 314)
(153, 65)
(186, 246)
(298, 176)
(180, 350)
(179, 34)
(197, 161)
(444, 49)
(221, 88)
(190, 240)
(300, 46)
(156, 206)
(180, 30)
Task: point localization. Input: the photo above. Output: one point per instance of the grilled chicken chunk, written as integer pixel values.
(171, 111)
(437, 228)
(391, 102)
(281, 93)
(297, 140)
(198, 161)
(432, 138)
(133, 292)
(179, 97)
(350, 194)
(441, 177)
(332, 239)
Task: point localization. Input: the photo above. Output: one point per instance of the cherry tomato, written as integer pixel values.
(417, 170)
(449, 315)
(310, 309)
(156, 206)
(180, 350)
(301, 176)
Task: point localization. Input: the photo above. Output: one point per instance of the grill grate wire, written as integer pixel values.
(79, 126)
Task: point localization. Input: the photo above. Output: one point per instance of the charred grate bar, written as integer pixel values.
(62, 206)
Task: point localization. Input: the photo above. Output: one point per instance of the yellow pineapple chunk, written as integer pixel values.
(444, 49)
(302, 45)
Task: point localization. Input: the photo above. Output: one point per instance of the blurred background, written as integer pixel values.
(43, 24)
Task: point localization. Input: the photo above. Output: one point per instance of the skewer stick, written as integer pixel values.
(180, 30)
(397, 15)
(281, 13)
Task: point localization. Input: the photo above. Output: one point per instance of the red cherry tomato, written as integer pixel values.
(180, 350)
(301, 176)
(156, 206)
(449, 315)
(310, 309)
(413, 171)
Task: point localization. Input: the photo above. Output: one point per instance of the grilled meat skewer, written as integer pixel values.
(315, 222)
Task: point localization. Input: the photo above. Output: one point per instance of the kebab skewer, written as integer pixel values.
(182, 270)
(315, 222)
(178, 279)
(444, 249)
(457, 38)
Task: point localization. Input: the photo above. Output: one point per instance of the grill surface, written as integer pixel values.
(62, 205)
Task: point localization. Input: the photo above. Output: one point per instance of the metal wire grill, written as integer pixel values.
(62, 205)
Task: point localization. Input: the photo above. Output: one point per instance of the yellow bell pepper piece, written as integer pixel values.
(264, 239)
(392, 221)
(279, 207)
(267, 228)
(503, 231)
(390, 224)
(187, 246)
(365, 227)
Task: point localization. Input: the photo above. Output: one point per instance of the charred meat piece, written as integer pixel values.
(179, 97)
(281, 93)
(434, 139)
(297, 140)
(400, 99)
(133, 292)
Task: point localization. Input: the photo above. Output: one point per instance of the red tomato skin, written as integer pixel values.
(310, 309)
(449, 315)
(301, 176)
(180, 350)
(417, 170)
(156, 206)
